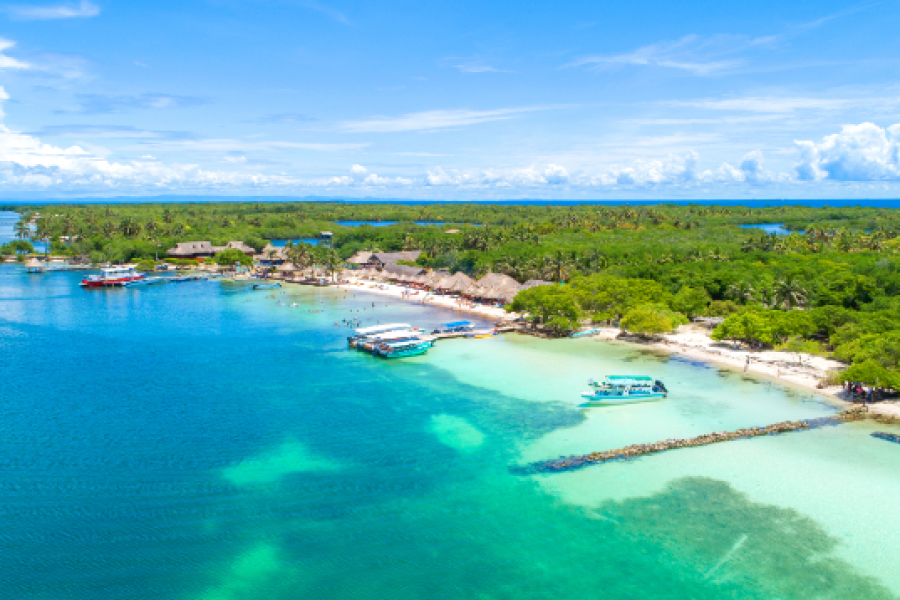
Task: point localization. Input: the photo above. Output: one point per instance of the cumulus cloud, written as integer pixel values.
(360, 177)
(864, 152)
(27, 163)
(28, 12)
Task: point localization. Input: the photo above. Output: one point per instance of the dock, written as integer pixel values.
(571, 463)
(461, 334)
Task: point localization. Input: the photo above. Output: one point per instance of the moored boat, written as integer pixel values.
(372, 342)
(266, 286)
(405, 348)
(113, 277)
(624, 389)
(147, 281)
(365, 332)
(585, 333)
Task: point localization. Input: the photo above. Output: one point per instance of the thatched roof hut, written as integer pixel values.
(402, 273)
(499, 281)
(494, 286)
(34, 265)
(360, 258)
(287, 268)
(456, 283)
(433, 278)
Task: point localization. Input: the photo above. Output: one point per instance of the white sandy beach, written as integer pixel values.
(692, 341)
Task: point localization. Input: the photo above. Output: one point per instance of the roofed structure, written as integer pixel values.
(403, 273)
(205, 249)
(379, 260)
(360, 258)
(191, 250)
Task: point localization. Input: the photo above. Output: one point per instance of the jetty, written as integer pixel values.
(571, 463)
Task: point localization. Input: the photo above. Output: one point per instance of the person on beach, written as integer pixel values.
(747, 364)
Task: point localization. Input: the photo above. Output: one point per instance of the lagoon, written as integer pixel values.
(208, 441)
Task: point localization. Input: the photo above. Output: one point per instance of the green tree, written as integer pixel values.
(691, 301)
(647, 321)
(231, 256)
(552, 305)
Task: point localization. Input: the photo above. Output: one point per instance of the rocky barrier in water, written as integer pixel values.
(569, 463)
(887, 436)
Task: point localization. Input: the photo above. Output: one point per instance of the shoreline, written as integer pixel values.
(690, 341)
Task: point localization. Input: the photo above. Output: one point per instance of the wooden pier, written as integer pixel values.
(570, 463)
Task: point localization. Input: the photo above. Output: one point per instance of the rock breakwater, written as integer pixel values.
(569, 463)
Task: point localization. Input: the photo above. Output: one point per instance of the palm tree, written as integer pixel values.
(789, 293)
(22, 230)
(741, 292)
(559, 266)
(129, 227)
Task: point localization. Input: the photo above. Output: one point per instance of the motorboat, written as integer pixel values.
(413, 347)
(624, 389)
(112, 277)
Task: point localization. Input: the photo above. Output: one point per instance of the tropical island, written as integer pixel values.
(811, 281)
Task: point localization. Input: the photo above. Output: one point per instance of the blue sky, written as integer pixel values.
(451, 100)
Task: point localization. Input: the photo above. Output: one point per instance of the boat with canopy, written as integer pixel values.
(401, 349)
(363, 333)
(112, 277)
(624, 389)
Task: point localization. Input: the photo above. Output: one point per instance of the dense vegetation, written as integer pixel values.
(831, 285)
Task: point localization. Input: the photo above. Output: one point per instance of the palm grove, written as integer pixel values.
(830, 286)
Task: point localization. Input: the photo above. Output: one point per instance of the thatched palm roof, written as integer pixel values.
(403, 272)
(34, 264)
(287, 268)
(499, 281)
(459, 282)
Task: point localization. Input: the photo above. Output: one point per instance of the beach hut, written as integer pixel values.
(286, 269)
(403, 273)
(433, 279)
(460, 282)
(34, 266)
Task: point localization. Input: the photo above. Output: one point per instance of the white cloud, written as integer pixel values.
(435, 119)
(230, 145)
(864, 152)
(29, 12)
(7, 62)
(694, 54)
(774, 104)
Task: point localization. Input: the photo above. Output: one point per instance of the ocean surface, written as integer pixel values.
(205, 441)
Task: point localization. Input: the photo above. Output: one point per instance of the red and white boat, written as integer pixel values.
(112, 277)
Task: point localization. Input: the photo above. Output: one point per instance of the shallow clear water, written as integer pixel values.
(206, 441)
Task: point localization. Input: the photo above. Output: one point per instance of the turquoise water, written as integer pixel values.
(204, 441)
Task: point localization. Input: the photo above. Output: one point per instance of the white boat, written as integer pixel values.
(366, 332)
(112, 277)
(624, 389)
